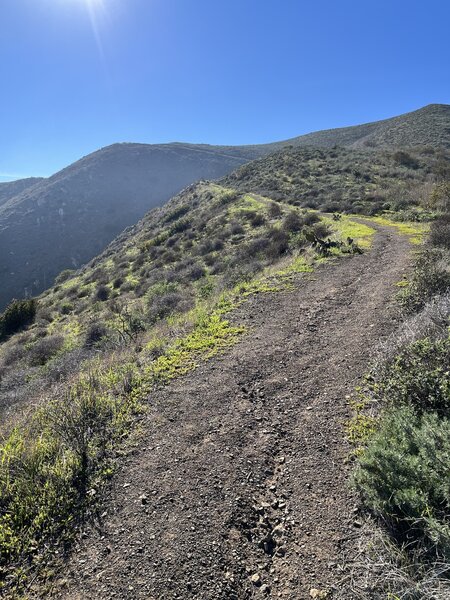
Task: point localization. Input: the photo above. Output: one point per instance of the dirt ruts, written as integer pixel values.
(239, 486)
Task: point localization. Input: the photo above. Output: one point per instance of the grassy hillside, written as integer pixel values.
(345, 179)
(77, 363)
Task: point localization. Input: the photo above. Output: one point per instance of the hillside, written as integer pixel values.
(63, 221)
(428, 126)
(10, 189)
(345, 179)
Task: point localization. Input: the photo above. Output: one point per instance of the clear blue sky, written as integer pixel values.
(80, 74)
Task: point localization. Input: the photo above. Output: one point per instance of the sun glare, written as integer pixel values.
(95, 9)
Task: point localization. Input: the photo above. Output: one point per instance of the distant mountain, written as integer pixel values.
(62, 222)
(9, 189)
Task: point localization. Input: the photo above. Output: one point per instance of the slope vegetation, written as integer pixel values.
(236, 489)
(345, 179)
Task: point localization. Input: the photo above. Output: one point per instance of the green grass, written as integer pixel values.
(414, 231)
(347, 227)
(211, 335)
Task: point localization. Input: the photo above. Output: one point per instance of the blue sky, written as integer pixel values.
(77, 75)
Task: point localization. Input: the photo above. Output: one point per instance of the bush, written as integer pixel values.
(292, 222)
(13, 354)
(95, 333)
(254, 247)
(49, 466)
(403, 477)
(241, 272)
(102, 293)
(160, 289)
(440, 232)
(66, 308)
(279, 244)
(310, 218)
(165, 305)
(45, 349)
(236, 228)
(17, 315)
(431, 277)
(274, 210)
(179, 226)
(117, 283)
(418, 375)
(195, 272)
(440, 197)
(406, 160)
(256, 218)
(321, 230)
(64, 276)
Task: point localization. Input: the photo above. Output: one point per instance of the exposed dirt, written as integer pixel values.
(239, 487)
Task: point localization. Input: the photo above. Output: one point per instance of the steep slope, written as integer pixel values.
(345, 179)
(65, 220)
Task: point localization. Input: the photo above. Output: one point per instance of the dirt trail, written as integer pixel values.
(239, 486)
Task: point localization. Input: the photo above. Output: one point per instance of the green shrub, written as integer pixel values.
(102, 293)
(440, 232)
(66, 308)
(419, 375)
(17, 315)
(95, 333)
(64, 276)
(274, 210)
(166, 305)
(292, 222)
(44, 349)
(405, 160)
(431, 276)
(50, 469)
(403, 476)
(440, 196)
(160, 289)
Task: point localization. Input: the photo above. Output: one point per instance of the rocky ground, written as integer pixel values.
(239, 485)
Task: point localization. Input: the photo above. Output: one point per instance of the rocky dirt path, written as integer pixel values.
(239, 487)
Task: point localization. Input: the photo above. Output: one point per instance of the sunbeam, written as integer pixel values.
(95, 8)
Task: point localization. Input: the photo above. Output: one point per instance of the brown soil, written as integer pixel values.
(239, 486)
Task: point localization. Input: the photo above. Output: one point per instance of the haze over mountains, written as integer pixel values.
(47, 225)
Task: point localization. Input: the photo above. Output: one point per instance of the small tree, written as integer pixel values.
(17, 315)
